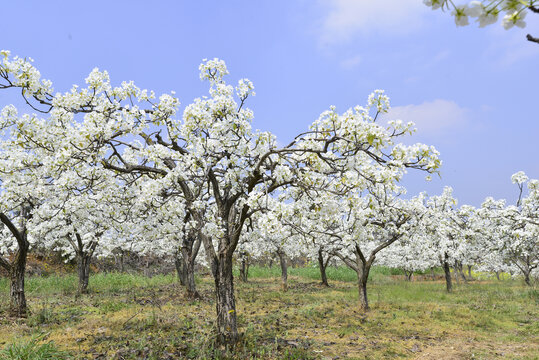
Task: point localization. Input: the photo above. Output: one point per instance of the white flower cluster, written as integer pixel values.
(486, 12)
(519, 178)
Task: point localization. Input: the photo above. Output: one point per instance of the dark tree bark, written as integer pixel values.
(17, 303)
(432, 274)
(83, 269)
(147, 267)
(531, 38)
(408, 275)
(470, 272)
(284, 270)
(362, 276)
(180, 268)
(461, 274)
(497, 275)
(447, 271)
(122, 265)
(84, 256)
(190, 247)
(227, 327)
(459, 270)
(527, 279)
(322, 265)
(17, 267)
(244, 266)
(192, 292)
(526, 266)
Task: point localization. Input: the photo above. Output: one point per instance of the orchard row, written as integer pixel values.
(102, 168)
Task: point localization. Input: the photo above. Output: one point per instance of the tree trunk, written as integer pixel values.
(244, 268)
(497, 275)
(186, 267)
(83, 269)
(361, 266)
(362, 276)
(363, 301)
(147, 267)
(527, 278)
(17, 304)
(447, 271)
(322, 267)
(284, 270)
(17, 267)
(461, 274)
(408, 275)
(192, 292)
(227, 328)
(470, 272)
(432, 274)
(181, 270)
(459, 268)
(122, 266)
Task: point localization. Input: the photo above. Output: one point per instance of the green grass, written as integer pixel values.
(131, 317)
(33, 349)
(340, 273)
(107, 283)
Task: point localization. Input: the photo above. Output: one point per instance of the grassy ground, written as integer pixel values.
(133, 317)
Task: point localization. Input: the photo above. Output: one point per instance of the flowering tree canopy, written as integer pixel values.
(218, 170)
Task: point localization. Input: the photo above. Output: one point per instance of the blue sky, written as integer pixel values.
(472, 92)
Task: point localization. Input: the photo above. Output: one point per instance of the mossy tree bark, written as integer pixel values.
(447, 271)
(408, 274)
(322, 265)
(17, 266)
(180, 268)
(83, 254)
(189, 251)
(244, 266)
(227, 327)
(284, 269)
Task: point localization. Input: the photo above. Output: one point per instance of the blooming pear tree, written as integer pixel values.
(517, 230)
(306, 221)
(158, 218)
(379, 220)
(451, 233)
(274, 238)
(471, 248)
(410, 254)
(442, 234)
(486, 12)
(211, 158)
(20, 195)
(489, 232)
(80, 198)
(78, 216)
(360, 225)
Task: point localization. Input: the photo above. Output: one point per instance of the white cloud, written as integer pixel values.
(432, 118)
(347, 18)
